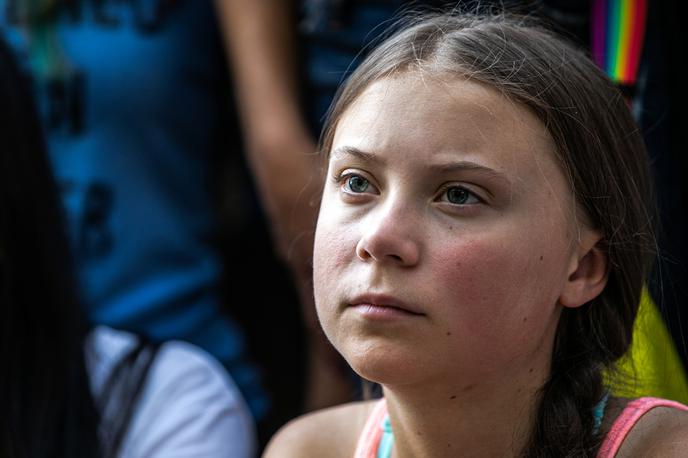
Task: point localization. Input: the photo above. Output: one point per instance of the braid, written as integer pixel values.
(589, 340)
(564, 423)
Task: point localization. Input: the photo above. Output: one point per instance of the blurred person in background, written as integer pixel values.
(262, 47)
(70, 389)
(166, 230)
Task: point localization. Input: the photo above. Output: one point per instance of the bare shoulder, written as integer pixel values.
(669, 434)
(329, 432)
(661, 432)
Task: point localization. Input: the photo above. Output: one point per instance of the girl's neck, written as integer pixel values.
(489, 419)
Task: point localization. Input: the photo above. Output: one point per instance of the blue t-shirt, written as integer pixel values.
(132, 95)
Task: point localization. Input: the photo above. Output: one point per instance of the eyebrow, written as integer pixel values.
(468, 165)
(446, 167)
(362, 155)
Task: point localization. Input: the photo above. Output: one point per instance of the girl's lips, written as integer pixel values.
(375, 311)
(383, 305)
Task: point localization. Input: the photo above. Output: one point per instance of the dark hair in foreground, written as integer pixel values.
(600, 149)
(47, 409)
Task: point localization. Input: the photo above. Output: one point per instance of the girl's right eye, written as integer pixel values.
(357, 184)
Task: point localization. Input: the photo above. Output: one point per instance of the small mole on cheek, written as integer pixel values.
(448, 333)
(525, 318)
(530, 371)
(452, 396)
(541, 258)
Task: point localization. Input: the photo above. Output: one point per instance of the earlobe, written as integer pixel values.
(588, 273)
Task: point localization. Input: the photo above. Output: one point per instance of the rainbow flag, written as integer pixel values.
(618, 31)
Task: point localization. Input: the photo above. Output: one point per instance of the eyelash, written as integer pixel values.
(343, 181)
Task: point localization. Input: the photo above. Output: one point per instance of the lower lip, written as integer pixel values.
(377, 312)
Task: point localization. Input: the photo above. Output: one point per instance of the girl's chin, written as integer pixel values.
(390, 371)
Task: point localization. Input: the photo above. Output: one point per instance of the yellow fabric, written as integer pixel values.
(652, 366)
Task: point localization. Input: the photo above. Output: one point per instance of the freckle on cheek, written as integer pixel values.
(468, 388)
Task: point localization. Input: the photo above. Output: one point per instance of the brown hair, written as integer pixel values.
(600, 149)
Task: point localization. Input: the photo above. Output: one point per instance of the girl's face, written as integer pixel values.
(446, 233)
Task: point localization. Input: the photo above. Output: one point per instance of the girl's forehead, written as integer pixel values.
(412, 124)
(437, 114)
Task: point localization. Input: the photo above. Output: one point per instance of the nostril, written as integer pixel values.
(362, 253)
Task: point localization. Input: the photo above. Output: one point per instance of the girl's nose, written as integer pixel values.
(386, 240)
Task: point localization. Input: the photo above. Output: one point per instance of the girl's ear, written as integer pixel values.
(588, 272)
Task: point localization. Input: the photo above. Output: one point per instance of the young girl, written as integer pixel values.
(484, 235)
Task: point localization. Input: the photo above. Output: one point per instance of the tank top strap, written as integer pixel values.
(369, 439)
(627, 420)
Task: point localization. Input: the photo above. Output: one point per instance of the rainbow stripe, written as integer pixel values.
(618, 30)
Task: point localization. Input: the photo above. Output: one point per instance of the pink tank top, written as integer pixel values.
(627, 420)
(369, 441)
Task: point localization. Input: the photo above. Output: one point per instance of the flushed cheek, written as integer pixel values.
(493, 290)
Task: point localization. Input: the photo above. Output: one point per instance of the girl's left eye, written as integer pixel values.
(356, 184)
(458, 195)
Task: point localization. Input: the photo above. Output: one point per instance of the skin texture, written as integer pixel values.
(445, 199)
(486, 275)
